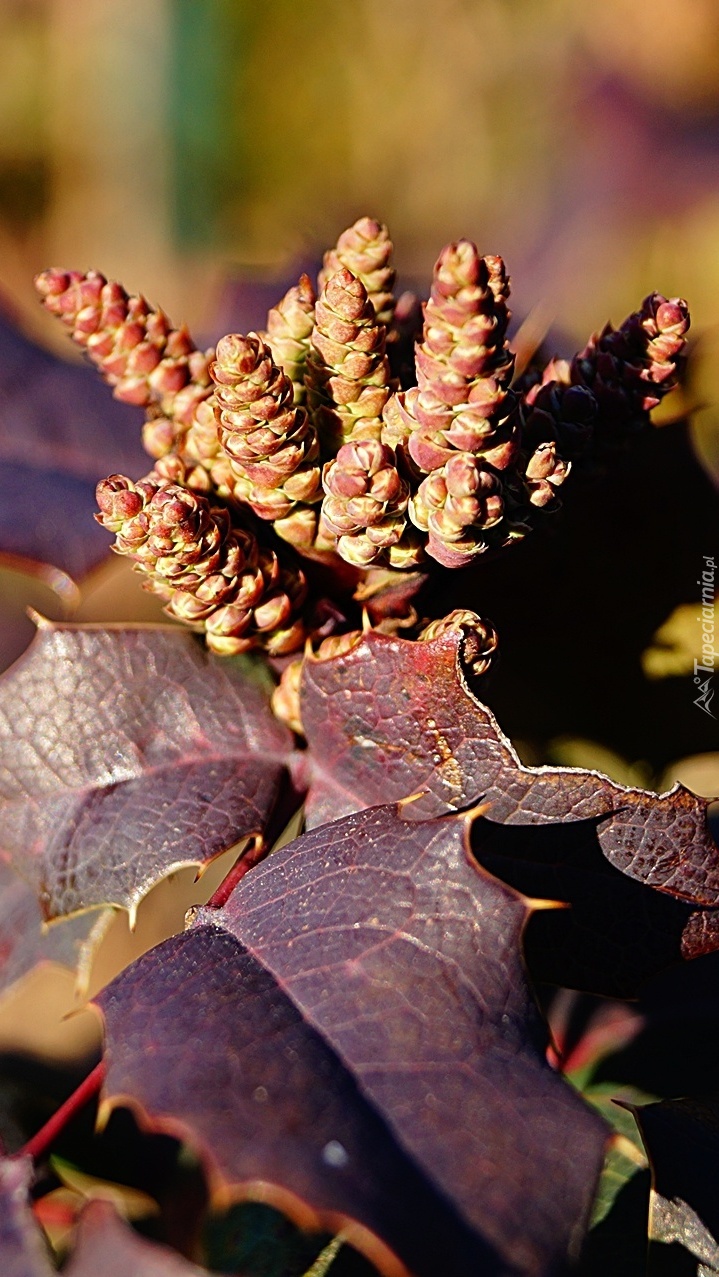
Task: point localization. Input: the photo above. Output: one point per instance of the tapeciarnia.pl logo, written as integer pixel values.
(705, 667)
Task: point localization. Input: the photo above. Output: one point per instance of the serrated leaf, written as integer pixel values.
(682, 1141)
(392, 717)
(363, 1040)
(24, 941)
(126, 753)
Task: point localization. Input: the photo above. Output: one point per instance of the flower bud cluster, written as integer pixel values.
(289, 328)
(211, 575)
(365, 249)
(304, 425)
(133, 344)
(458, 429)
(628, 371)
(268, 443)
(348, 377)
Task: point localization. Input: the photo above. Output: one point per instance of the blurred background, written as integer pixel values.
(179, 145)
(204, 151)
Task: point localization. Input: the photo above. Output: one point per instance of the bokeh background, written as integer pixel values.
(203, 151)
(181, 144)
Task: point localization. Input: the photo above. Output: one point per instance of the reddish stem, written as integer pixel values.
(42, 1140)
(249, 858)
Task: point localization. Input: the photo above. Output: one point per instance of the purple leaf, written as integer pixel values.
(126, 753)
(23, 940)
(392, 717)
(355, 1029)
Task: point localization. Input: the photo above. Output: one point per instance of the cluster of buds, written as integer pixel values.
(458, 428)
(135, 347)
(630, 369)
(305, 427)
(289, 328)
(269, 445)
(365, 249)
(365, 506)
(462, 401)
(627, 370)
(348, 378)
(457, 505)
(212, 575)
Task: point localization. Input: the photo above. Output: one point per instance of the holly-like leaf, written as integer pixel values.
(24, 941)
(59, 430)
(682, 1141)
(355, 1030)
(126, 753)
(392, 717)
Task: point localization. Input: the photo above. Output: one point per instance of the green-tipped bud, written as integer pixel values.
(365, 249)
(348, 376)
(267, 442)
(289, 327)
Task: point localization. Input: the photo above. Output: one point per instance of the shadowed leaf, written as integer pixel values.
(127, 753)
(364, 1040)
(392, 717)
(682, 1140)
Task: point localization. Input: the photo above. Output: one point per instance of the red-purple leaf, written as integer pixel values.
(125, 753)
(355, 1030)
(23, 940)
(617, 933)
(393, 717)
